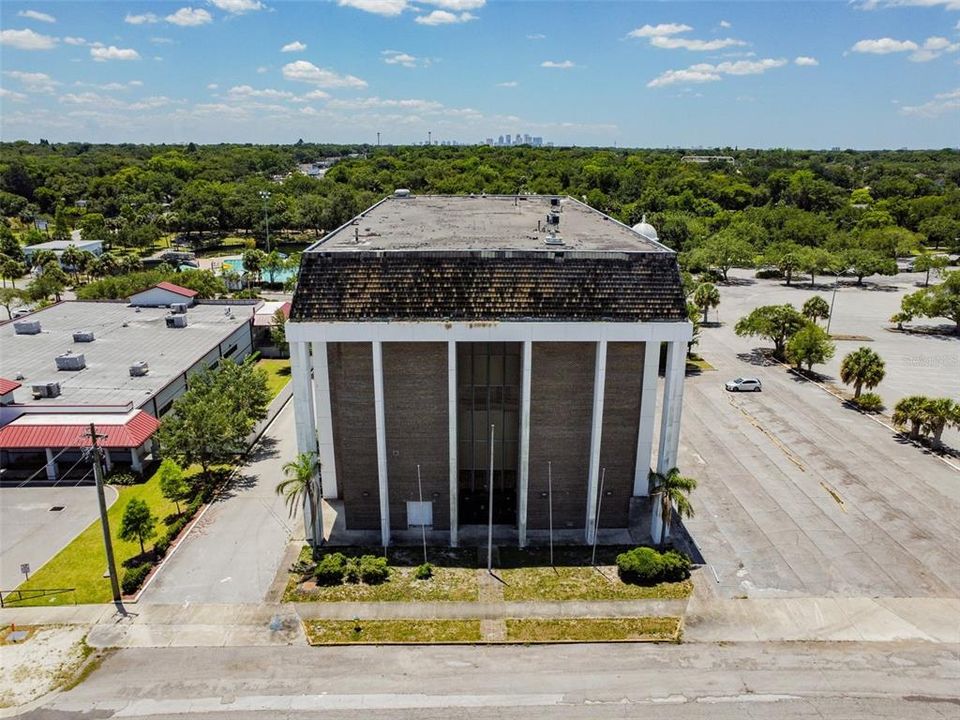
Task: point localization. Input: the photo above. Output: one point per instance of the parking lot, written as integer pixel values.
(800, 495)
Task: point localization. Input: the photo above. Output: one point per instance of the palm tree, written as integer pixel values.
(862, 368)
(937, 413)
(911, 410)
(302, 481)
(673, 489)
(706, 296)
(816, 308)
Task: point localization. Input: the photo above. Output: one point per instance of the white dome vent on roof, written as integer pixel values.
(646, 229)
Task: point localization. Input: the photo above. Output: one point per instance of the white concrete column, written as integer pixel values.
(51, 466)
(453, 440)
(672, 405)
(303, 397)
(381, 442)
(107, 460)
(324, 420)
(524, 484)
(135, 460)
(656, 519)
(593, 479)
(648, 413)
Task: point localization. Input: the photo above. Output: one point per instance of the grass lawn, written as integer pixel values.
(82, 563)
(453, 579)
(320, 632)
(594, 629)
(278, 374)
(698, 364)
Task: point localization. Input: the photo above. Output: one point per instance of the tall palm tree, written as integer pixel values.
(937, 413)
(673, 489)
(911, 411)
(302, 481)
(706, 296)
(862, 368)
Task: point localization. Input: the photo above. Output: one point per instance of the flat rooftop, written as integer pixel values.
(482, 222)
(123, 335)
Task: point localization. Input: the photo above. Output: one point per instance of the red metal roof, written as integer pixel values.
(186, 292)
(130, 433)
(8, 385)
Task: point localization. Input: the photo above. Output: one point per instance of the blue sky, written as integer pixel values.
(863, 74)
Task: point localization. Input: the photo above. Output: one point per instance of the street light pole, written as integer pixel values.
(104, 522)
(266, 217)
(833, 298)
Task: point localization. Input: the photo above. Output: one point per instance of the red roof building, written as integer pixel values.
(186, 292)
(38, 432)
(8, 386)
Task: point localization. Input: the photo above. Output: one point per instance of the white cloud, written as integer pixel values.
(295, 46)
(942, 103)
(675, 43)
(27, 40)
(724, 24)
(34, 15)
(102, 54)
(395, 57)
(238, 92)
(883, 46)
(379, 103)
(457, 5)
(75, 40)
(561, 65)
(536, 36)
(304, 71)
(442, 17)
(508, 84)
(316, 95)
(262, 69)
(34, 82)
(11, 95)
(150, 103)
(705, 72)
(934, 47)
(806, 61)
(237, 7)
(660, 30)
(387, 8)
(190, 17)
(874, 4)
(212, 86)
(163, 41)
(144, 19)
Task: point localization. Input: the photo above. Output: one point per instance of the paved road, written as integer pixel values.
(794, 680)
(800, 496)
(31, 533)
(234, 552)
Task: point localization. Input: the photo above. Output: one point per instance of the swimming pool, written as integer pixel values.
(278, 277)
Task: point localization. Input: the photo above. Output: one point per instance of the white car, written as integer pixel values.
(742, 384)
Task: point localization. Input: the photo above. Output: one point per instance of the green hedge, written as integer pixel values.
(133, 578)
(646, 566)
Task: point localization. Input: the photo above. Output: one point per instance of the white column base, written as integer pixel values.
(381, 442)
(324, 420)
(593, 479)
(672, 406)
(51, 466)
(648, 413)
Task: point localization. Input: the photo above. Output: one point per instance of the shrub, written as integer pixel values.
(331, 569)
(768, 274)
(423, 572)
(373, 569)
(641, 566)
(869, 402)
(676, 566)
(351, 570)
(303, 568)
(122, 477)
(161, 546)
(133, 578)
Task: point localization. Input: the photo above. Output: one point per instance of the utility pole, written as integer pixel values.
(266, 216)
(104, 521)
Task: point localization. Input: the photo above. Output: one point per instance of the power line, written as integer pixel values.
(44, 467)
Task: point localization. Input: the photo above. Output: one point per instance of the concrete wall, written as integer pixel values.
(561, 405)
(621, 419)
(354, 432)
(415, 409)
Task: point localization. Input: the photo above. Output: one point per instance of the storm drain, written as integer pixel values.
(56, 508)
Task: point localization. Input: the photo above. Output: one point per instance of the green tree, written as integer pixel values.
(52, 281)
(941, 300)
(937, 414)
(810, 346)
(816, 308)
(674, 495)
(727, 249)
(172, 485)
(862, 368)
(815, 261)
(278, 333)
(106, 265)
(927, 262)
(867, 262)
(911, 411)
(71, 258)
(11, 270)
(61, 231)
(10, 298)
(253, 262)
(785, 256)
(940, 230)
(777, 323)
(137, 523)
(302, 482)
(706, 296)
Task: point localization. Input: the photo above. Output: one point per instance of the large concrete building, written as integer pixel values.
(512, 338)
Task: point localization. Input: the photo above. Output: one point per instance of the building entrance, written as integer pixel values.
(488, 393)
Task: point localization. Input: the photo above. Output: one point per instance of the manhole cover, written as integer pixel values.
(56, 508)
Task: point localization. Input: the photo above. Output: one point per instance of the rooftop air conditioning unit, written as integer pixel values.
(139, 368)
(83, 336)
(71, 361)
(26, 327)
(178, 308)
(553, 218)
(45, 390)
(401, 193)
(555, 202)
(176, 321)
(552, 239)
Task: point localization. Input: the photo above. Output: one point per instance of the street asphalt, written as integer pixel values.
(233, 553)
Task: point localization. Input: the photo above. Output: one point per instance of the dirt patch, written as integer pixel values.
(49, 657)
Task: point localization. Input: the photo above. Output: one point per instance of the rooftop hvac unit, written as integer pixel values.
(139, 368)
(555, 202)
(26, 327)
(401, 193)
(176, 321)
(553, 218)
(552, 239)
(178, 308)
(45, 390)
(71, 361)
(83, 336)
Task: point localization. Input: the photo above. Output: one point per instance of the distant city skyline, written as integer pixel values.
(860, 74)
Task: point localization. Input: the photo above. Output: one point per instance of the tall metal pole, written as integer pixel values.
(550, 506)
(596, 520)
(266, 221)
(490, 509)
(104, 521)
(833, 299)
(423, 525)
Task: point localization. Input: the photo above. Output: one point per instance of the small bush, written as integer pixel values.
(161, 546)
(676, 566)
(134, 577)
(351, 570)
(646, 566)
(869, 402)
(768, 274)
(303, 568)
(331, 569)
(423, 572)
(122, 477)
(177, 526)
(373, 569)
